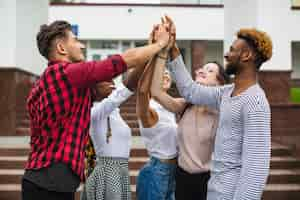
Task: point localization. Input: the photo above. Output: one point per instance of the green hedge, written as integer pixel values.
(295, 95)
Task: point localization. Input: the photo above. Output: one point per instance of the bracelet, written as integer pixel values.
(165, 58)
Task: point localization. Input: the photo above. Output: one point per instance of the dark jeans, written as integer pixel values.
(30, 191)
(191, 186)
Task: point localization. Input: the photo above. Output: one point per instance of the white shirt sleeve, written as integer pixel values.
(106, 106)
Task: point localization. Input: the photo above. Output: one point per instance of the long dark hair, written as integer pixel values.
(222, 76)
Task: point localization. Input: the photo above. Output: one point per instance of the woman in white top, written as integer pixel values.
(156, 180)
(196, 129)
(111, 138)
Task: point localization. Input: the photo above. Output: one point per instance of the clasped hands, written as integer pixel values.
(165, 35)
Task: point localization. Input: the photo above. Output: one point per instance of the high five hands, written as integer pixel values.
(167, 25)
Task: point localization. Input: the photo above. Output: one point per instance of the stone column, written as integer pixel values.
(198, 54)
(20, 60)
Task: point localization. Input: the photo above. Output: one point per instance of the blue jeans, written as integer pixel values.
(156, 181)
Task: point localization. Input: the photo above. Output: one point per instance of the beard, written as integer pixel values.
(75, 58)
(231, 69)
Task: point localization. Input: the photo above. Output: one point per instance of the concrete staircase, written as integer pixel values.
(283, 182)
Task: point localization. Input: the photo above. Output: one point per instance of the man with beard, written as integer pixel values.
(240, 162)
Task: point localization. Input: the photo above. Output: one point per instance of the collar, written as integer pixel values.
(54, 62)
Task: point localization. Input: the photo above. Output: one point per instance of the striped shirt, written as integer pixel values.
(241, 157)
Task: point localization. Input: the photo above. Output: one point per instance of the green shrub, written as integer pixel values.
(295, 95)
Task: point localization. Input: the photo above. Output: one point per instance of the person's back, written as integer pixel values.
(59, 116)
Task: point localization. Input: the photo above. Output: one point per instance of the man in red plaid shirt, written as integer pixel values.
(59, 108)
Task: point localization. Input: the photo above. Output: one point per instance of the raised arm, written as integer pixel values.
(120, 94)
(256, 152)
(87, 74)
(114, 100)
(147, 115)
(175, 105)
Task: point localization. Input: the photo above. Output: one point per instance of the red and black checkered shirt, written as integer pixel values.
(59, 108)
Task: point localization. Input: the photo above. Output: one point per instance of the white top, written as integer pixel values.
(120, 141)
(160, 139)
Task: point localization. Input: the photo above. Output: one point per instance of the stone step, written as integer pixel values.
(14, 176)
(22, 115)
(12, 162)
(132, 123)
(284, 176)
(282, 192)
(25, 131)
(130, 102)
(128, 109)
(13, 192)
(135, 132)
(276, 176)
(24, 151)
(22, 131)
(284, 162)
(23, 123)
(11, 176)
(18, 162)
(129, 116)
(280, 150)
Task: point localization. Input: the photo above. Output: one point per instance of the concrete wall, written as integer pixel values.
(30, 15)
(8, 33)
(135, 22)
(20, 20)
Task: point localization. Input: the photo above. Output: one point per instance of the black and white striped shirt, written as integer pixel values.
(241, 157)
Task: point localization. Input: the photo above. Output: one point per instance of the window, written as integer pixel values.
(96, 57)
(103, 44)
(140, 43)
(296, 60)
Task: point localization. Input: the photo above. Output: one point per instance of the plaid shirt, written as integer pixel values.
(59, 108)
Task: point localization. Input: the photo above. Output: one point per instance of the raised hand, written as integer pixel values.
(174, 50)
(172, 31)
(162, 35)
(151, 38)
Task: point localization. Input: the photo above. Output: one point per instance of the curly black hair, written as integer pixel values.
(49, 33)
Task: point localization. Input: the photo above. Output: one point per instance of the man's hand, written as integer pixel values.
(162, 36)
(151, 38)
(172, 29)
(172, 46)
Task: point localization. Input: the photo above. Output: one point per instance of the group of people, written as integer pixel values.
(211, 143)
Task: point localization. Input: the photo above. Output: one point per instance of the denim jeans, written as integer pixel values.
(156, 181)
